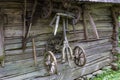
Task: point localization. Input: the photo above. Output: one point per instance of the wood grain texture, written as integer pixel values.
(21, 66)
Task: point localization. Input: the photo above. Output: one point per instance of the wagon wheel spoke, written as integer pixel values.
(79, 56)
(50, 63)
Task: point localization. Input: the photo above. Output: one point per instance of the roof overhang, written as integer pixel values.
(104, 1)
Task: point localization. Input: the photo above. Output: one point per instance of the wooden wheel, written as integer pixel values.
(50, 63)
(46, 9)
(77, 13)
(79, 56)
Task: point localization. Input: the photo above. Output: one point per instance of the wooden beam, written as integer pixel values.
(84, 23)
(93, 25)
(25, 9)
(1, 38)
(115, 30)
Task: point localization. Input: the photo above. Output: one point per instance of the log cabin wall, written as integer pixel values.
(98, 52)
(13, 29)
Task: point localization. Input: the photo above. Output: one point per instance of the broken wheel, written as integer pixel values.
(50, 63)
(79, 56)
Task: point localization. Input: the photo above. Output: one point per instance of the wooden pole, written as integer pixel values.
(34, 52)
(115, 31)
(2, 55)
(29, 26)
(93, 25)
(25, 9)
(24, 26)
(84, 23)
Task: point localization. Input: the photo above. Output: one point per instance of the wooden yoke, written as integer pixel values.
(2, 55)
(93, 25)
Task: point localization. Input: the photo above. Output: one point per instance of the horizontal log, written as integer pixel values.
(17, 72)
(41, 40)
(90, 47)
(101, 12)
(90, 43)
(13, 41)
(25, 76)
(13, 65)
(9, 74)
(14, 56)
(75, 73)
(13, 69)
(11, 31)
(95, 51)
(19, 46)
(91, 68)
(20, 51)
(74, 44)
(84, 45)
(22, 56)
(94, 57)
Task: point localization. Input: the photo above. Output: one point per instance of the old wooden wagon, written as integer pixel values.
(30, 49)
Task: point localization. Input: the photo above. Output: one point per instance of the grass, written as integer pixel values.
(109, 74)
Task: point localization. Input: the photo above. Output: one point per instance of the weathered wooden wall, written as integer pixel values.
(98, 52)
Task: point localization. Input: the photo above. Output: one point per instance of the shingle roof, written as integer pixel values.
(106, 1)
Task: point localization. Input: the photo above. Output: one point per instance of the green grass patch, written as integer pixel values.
(109, 74)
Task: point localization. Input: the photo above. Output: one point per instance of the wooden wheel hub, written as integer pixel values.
(50, 63)
(79, 56)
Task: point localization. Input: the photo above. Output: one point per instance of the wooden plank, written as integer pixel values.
(94, 57)
(101, 12)
(14, 65)
(91, 68)
(74, 44)
(22, 56)
(19, 68)
(78, 72)
(12, 41)
(87, 65)
(28, 54)
(91, 50)
(38, 39)
(25, 76)
(90, 43)
(98, 50)
(115, 30)
(19, 45)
